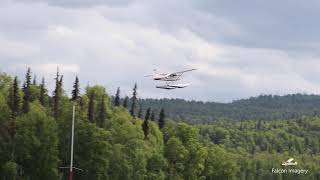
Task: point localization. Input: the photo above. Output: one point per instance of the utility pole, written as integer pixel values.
(72, 140)
(71, 151)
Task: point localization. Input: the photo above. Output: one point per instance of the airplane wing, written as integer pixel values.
(179, 73)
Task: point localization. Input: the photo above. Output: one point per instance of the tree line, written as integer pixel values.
(111, 142)
(116, 138)
(263, 107)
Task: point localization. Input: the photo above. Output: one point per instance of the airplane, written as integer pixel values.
(170, 78)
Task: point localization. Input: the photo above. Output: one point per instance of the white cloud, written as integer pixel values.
(102, 45)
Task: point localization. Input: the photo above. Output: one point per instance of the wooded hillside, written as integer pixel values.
(264, 107)
(112, 142)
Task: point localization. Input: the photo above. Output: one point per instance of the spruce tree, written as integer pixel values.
(126, 102)
(61, 83)
(145, 126)
(134, 101)
(76, 90)
(34, 80)
(162, 117)
(102, 115)
(91, 107)
(43, 93)
(26, 91)
(57, 93)
(153, 116)
(148, 113)
(117, 98)
(15, 98)
(140, 112)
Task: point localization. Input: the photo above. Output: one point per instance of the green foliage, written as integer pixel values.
(43, 96)
(140, 112)
(36, 144)
(162, 117)
(264, 107)
(76, 90)
(117, 98)
(5, 83)
(92, 107)
(134, 101)
(14, 100)
(148, 114)
(10, 170)
(119, 146)
(294, 136)
(185, 154)
(57, 96)
(26, 92)
(93, 154)
(98, 103)
(5, 148)
(220, 164)
(126, 102)
(102, 113)
(145, 127)
(153, 116)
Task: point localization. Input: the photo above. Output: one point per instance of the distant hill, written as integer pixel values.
(264, 107)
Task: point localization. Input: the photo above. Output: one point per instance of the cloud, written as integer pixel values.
(80, 3)
(115, 45)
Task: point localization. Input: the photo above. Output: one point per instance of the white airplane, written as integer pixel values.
(170, 78)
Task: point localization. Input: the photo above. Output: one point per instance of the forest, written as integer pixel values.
(263, 107)
(122, 138)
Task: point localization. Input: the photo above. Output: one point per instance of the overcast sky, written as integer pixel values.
(241, 48)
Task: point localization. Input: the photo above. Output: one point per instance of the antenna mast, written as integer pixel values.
(72, 140)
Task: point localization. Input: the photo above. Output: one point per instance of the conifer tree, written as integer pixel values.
(117, 98)
(15, 98)
(26, 91)
(162, 117)
(145, 126)
(34, 80)
(43, 92)
(140, 112)
(76, 90)
(126, 102)
(91, 107)
(57, 93)
(153, 116)
(148, 113)
(134, 101)
(102, 113)
(61, 83)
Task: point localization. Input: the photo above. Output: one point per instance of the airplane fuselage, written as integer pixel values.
(170, 79)
(166, 77)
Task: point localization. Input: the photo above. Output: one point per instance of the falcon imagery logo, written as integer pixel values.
(288, 163)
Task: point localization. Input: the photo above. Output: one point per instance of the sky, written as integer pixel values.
(241, 48)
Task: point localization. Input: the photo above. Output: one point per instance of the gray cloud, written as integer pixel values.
(79, 3)
(270, 24)
(241, 49)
